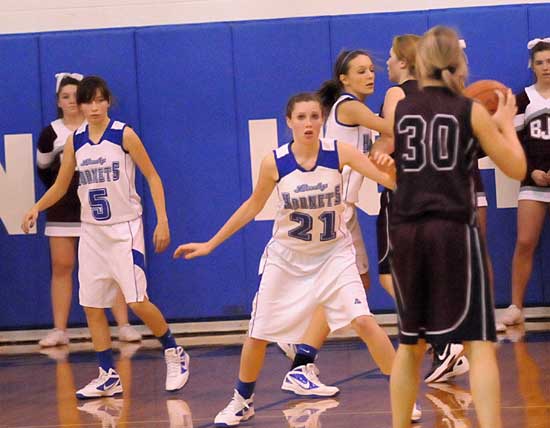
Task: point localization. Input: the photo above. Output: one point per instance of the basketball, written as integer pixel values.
(484, 92)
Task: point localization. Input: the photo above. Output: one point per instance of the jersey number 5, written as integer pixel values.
(439, 148)
(101, 210)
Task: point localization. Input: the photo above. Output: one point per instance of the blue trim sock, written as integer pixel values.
(167, 340)
(305, 354)
(246, 389)
(105, 358)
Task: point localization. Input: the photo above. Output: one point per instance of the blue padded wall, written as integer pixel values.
(107, 53)
(187, 104)
(24, 294)
(190, 92)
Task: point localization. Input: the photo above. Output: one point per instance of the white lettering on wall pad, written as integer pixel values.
(17, 193)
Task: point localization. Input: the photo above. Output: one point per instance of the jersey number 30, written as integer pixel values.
(306, 224)
(439, 147)
(101, 210)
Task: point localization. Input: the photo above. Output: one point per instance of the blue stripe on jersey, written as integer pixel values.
(139, 259)
(286, 162)
(328, 155)
(114, 133)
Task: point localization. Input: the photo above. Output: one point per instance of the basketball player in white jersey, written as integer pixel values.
(63, 218)
(111, 248)
(348, 119)
(310, 260)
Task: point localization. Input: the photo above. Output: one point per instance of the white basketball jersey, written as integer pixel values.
(106, 188)
(356, 135)
(309, 215)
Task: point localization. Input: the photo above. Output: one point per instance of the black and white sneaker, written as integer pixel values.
(448, 364)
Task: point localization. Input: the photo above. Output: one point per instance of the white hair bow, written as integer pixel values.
(532, 43)
(60, 76)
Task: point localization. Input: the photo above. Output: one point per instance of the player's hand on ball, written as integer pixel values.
(161, 237)
(29, 220)
(192, 250)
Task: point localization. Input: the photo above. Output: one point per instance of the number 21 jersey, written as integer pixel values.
(309, 214)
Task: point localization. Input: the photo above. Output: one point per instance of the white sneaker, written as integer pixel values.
(306, 414)
(106, 384)
(177, 368)
(54, 338)
(416, 413)
(127, 333)
(303, 380)
(289, 350)
(179, 414)
(512, 315)
(236, 411)
(106, 410)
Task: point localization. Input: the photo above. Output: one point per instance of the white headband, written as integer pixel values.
(462, 43)
(532, 43)
(60, 76)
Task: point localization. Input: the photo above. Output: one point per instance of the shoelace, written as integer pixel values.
(236, 404)
(312, 371)
(103, 376)
(173, 362)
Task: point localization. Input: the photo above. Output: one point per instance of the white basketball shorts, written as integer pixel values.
(111, 256)
(288, 293)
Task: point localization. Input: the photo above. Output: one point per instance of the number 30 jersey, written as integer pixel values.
(106, 190)
(311, 204)
(435, 152)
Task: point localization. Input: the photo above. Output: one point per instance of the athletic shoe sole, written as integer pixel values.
(101, 394)
(290, 387)
(244, 419)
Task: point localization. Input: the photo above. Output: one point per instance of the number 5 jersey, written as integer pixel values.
(106, 190)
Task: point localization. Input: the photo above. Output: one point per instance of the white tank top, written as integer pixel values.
(310, 210)
(107, 189)
(356, 135)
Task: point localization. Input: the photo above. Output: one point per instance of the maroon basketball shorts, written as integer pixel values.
(441, 284)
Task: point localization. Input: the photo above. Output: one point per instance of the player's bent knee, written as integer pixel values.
(365, 324)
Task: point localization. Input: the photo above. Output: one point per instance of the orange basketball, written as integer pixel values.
(484, 92)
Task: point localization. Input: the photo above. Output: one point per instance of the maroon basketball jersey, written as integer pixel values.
(435, 152)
